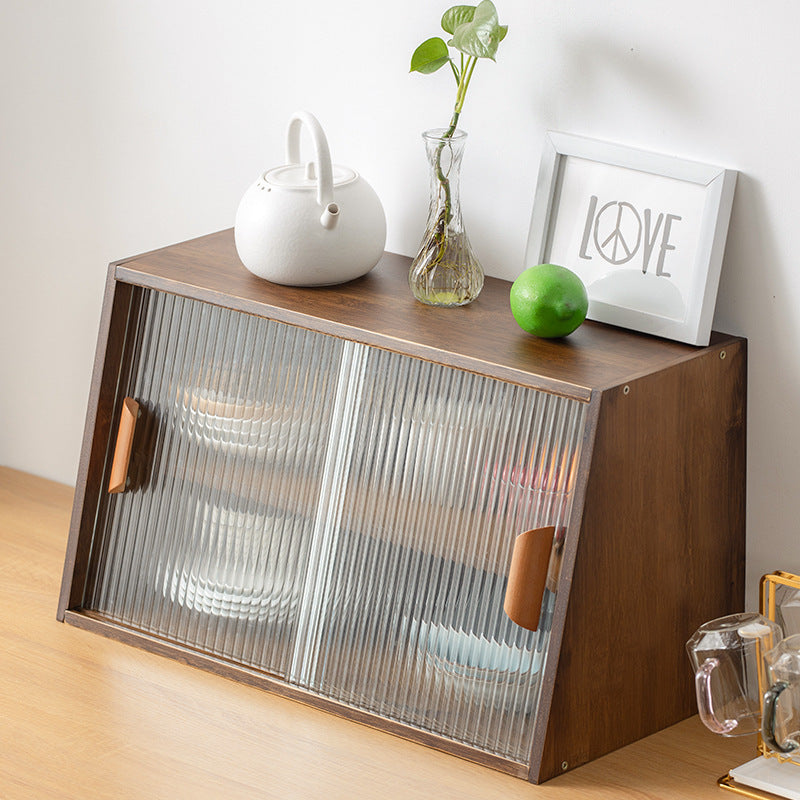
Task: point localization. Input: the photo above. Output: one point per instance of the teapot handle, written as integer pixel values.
(323, 153)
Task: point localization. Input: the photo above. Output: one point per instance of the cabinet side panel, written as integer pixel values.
(662, 550)
(114, 318)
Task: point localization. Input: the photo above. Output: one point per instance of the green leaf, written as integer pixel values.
(481, 36)
(431, 55)
(455, 16)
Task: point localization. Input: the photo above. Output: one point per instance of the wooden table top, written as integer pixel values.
(82, 716)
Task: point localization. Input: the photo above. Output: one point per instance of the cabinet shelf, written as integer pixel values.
(325, 488)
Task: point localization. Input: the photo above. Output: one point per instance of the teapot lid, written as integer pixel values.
(304, 176)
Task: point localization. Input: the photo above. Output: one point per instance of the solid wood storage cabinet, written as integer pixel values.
(318, 491)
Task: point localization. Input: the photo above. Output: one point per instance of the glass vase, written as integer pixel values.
(445, 271)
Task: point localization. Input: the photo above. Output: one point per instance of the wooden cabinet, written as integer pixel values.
(323, 489)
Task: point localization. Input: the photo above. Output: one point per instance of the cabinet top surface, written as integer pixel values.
(378, 309)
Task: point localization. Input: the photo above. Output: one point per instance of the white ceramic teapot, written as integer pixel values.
(310, 224)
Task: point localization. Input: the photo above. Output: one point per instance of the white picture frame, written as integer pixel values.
(645, 232)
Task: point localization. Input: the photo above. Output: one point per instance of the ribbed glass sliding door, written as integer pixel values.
(212, 550)
(443, 469)
(336, 515)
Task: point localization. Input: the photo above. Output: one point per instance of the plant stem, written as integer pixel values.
(456, 74)
(439, 233)
(463, 85)
(461, 93)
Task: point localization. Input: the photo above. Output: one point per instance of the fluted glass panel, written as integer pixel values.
(337, 515)
(444, 470)
(209, 545)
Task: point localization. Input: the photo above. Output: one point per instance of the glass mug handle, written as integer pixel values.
(768, 719)
(702, 685)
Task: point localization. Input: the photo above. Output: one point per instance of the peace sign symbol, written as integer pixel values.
(618, 234)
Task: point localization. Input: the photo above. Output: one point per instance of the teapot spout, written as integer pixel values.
(330, 216)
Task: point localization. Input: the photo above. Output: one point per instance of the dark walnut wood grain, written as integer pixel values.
(101, 417)
(655, 543)
(378, 309)
(661, 551)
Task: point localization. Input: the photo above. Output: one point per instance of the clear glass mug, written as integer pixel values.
(727, 655)
(781, 719)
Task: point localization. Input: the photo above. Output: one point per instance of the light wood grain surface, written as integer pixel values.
(83, 717)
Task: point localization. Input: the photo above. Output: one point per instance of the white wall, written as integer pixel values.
(126, 126)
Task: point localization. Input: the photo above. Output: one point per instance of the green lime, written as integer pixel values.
(549, 301)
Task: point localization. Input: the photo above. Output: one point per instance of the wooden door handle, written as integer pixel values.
(527, 576)
(122, 449)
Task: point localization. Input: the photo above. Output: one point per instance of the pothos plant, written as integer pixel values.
(475, 33)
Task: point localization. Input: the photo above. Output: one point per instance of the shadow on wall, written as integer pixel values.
(756, 300)
(590, 70)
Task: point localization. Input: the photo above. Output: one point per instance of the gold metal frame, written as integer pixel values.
(767, 588)
(769, 585)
